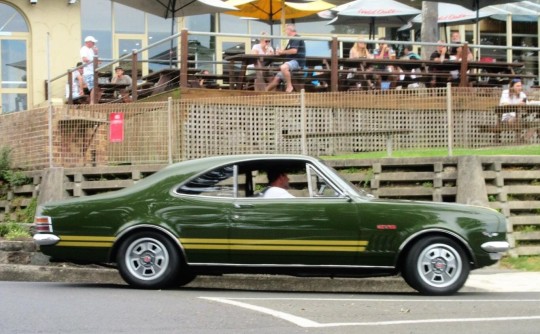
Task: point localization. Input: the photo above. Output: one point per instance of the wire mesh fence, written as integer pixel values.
(311, 123)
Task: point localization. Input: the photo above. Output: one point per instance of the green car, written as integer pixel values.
(215, 216)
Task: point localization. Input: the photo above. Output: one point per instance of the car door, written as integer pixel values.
(318, 227)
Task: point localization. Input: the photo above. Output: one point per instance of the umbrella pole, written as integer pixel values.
(172, 32)
(477, 27)
(172, 44)
(372, 28)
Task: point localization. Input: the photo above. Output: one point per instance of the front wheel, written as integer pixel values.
(436, 266)
(148, 260)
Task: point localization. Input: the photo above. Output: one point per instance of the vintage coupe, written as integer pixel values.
(206, 217)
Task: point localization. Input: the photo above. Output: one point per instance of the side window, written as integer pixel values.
(218, 182)
(319, 186)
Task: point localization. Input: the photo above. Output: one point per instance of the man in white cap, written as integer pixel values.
(88, 51)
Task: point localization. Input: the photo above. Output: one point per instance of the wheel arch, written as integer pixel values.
(410, 241)
(141, 228)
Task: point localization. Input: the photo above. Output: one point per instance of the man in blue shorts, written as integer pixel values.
(295, 53)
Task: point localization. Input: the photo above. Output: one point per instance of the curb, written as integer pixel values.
(64, 274)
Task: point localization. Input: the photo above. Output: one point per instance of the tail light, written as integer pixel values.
(42, 224)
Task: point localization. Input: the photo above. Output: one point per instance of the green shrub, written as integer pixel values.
(13, 230)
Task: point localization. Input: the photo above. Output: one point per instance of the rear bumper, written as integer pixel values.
(45, 239)
(495, 248)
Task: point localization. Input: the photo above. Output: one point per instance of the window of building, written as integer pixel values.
(128, 20)
(159, 29)
(11, 20)
(96, 20)
(13, 60)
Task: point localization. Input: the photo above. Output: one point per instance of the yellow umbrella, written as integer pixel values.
(275, 10)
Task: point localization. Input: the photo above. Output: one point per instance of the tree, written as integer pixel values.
(430, 29)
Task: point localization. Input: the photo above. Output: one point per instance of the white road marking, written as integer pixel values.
(306, 323)
(302, 322)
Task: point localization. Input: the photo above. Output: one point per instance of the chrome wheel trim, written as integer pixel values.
(439, 265)
(147, 259)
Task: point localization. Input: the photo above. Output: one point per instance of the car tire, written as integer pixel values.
(436, 266)
(149, 260)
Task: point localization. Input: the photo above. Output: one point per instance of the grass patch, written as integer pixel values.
(442, 152)
(527, 263)
(14, 231)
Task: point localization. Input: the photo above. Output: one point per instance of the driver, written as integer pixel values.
(278, 183)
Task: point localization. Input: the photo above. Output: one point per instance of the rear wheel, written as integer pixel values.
(436, 266)
(149, 260)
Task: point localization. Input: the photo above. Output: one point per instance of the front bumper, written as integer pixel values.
(45, 239)
(495, 248)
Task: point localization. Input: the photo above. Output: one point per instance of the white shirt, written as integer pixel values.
(258, 49)
(88, 53)
(277, 192)
(506, 99)
(75, 85)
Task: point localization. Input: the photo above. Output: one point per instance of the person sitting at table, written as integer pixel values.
(455, 53)
(120, 78)
(295, 53)
(78, 85)
(360, 50)
(206, 82)
(440, 54)
(384, 51)
(514, 96)
(409, 54)
(262, 48)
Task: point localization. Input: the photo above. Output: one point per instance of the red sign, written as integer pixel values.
(116, 127)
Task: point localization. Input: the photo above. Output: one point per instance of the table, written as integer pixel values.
(266, 64)
(366, 68)
(496, 73)
(428, 69)
(109, 92)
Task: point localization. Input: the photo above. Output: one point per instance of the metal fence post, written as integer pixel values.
(450, 119)
(303, 118)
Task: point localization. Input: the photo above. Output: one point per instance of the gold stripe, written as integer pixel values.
(188, 241)
(86, 238)
(84, 244)
(277, 248)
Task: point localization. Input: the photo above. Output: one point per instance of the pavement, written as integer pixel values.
(21, 262)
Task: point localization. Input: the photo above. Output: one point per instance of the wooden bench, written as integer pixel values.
(389, 133)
